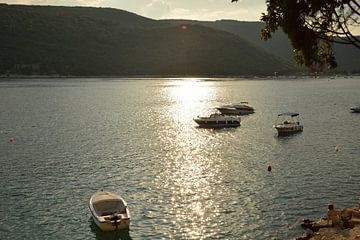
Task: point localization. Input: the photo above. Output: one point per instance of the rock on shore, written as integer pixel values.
(331, 234)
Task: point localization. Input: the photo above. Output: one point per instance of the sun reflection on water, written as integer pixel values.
(189, 171)
(189, 98)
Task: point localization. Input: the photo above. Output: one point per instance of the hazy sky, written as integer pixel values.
(247, 10)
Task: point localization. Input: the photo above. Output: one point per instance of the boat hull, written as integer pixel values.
(287, 130)
(217, 124)
(235, 111)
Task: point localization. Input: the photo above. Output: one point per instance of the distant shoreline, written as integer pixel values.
(248, 77)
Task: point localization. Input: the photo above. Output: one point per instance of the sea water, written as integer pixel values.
(61, 140)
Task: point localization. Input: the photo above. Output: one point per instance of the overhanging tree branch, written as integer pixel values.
(312, 26)
(343, 26)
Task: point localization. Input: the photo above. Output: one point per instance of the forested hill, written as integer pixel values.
(347, 56)
(102, 41)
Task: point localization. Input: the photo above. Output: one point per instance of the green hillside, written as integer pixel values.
(102, 41)
(347, 56)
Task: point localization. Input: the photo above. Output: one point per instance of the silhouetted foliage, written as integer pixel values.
(313, 26)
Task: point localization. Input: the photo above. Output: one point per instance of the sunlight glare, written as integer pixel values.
(189, 171)
(190, 97)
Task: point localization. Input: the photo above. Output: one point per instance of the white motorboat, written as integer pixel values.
(242, 108)
(228, 110)
(355, 109)
(288, 123)
(109, 211)
(218, 120)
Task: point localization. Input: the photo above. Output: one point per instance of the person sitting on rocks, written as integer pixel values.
(334, 216)
(352, 216)
(347, 217)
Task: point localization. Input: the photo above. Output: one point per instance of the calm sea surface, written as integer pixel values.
(62, 140)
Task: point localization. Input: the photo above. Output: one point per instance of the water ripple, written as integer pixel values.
(137, 138)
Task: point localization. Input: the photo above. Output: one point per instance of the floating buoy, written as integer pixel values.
(336, 148)
(11, 140)
(269, 168)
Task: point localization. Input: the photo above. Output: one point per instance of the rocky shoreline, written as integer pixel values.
(321, 231)
(332, 234)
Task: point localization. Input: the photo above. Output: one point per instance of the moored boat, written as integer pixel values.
(229, 110)
(242, 108)
(355, 109)
(218, 120)
(288, 123)
(109, 211)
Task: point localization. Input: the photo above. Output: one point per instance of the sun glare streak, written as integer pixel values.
(189, 97)
(189, 172)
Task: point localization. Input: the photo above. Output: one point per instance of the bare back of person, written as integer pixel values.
(334, 217)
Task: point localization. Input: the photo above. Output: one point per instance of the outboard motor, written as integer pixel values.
(114, 219)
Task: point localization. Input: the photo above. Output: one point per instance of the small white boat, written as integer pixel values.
(242, 108)
(109, 211)
(355, 109)
(218, 120)
(288, 123)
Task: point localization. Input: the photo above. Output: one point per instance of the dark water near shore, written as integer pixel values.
(62, 140)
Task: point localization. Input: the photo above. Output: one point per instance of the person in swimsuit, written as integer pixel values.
(334, 216)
